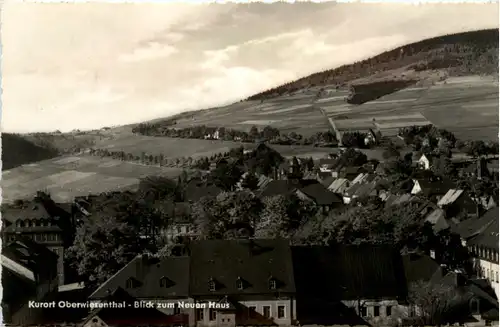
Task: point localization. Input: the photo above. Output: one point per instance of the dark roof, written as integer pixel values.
(284, 187)
(346, 272)
(328, 181)
(435, 186)
(473, 226)
(320, 195)
(29, 210)
(488, 237)
(419, 267)
(146, 273)
(253, 261)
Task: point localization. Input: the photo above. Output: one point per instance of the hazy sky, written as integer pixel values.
(90, 65)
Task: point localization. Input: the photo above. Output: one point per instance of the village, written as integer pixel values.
(344, 240)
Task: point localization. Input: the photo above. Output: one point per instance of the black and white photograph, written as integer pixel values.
(224, 164)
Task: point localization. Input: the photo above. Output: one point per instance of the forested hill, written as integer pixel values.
(17, 150)
(459, 54)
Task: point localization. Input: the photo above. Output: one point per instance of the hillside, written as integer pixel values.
(469, 53)
(17, 150)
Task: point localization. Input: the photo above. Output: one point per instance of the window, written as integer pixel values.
(239, 284)
(482, 272)
(281, 311)
(376, 311)
(496, 276)
(388, 311)
(199, 314)
(251, 309)
(177, 309)
(213, 314)
(363, 312)
(272, 284)
(164, 282)
(266, 311)
(211, 286)
(130, 283)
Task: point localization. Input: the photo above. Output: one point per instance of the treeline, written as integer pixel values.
(429, 138)
(369, 92)
(462, 53)
(268, 134)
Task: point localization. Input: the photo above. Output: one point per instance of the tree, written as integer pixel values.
(226, 176)
(476, 149)
(390, 152)
(159, 186)
(227, 215)
(250, 181)
(352, 157)
(433, 302)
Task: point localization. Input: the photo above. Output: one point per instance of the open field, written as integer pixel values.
(291, 113)
(67, 177)
(468, 107)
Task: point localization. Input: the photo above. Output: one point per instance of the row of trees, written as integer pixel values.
(254, 135)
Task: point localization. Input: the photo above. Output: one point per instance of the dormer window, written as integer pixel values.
(165, 282)
(272, 284)
(132, 283)
(211, 285)
(239, 284)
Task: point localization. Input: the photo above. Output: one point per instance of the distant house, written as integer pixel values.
(425, 162)
(308, 190)
(361, 187)
(327, 165)
(456, 201)
(253, 281)
(433, 187)
(29, 273)
(339, 186)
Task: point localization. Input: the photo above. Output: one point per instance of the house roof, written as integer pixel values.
(254, 261)
(338, 185)
(328, 181)
(346, 272)
(359, 178)
(487, 237)
(434, 187)
(328, 162)
(419, 267)
(148, 272)
(473, 226)
(438, 220)
(320, 195)
(29, 210)
(398, 199)
(450, 197)
(283, 187)
(362, 187)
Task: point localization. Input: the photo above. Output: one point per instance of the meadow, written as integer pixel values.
(70, 176)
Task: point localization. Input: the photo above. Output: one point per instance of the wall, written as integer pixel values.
(490, 268)
(289, 304)
(397, 310)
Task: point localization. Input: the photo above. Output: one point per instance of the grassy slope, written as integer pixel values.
(458, 54)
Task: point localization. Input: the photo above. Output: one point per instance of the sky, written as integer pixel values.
(89, 65)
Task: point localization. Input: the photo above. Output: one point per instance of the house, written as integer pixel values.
(392, 199)
(29, 273)
(361, 187)
(181, 223)
(456, 201)
(338, 186)
(253, 279)
(425, 162)
(432, 187)
(305, 189)
(478, 169)
(438, 220)
(348, 285)
(327, 164)
(32, 219)
(480, 235)
(351, 173)
(164, 282)
(321, 196)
